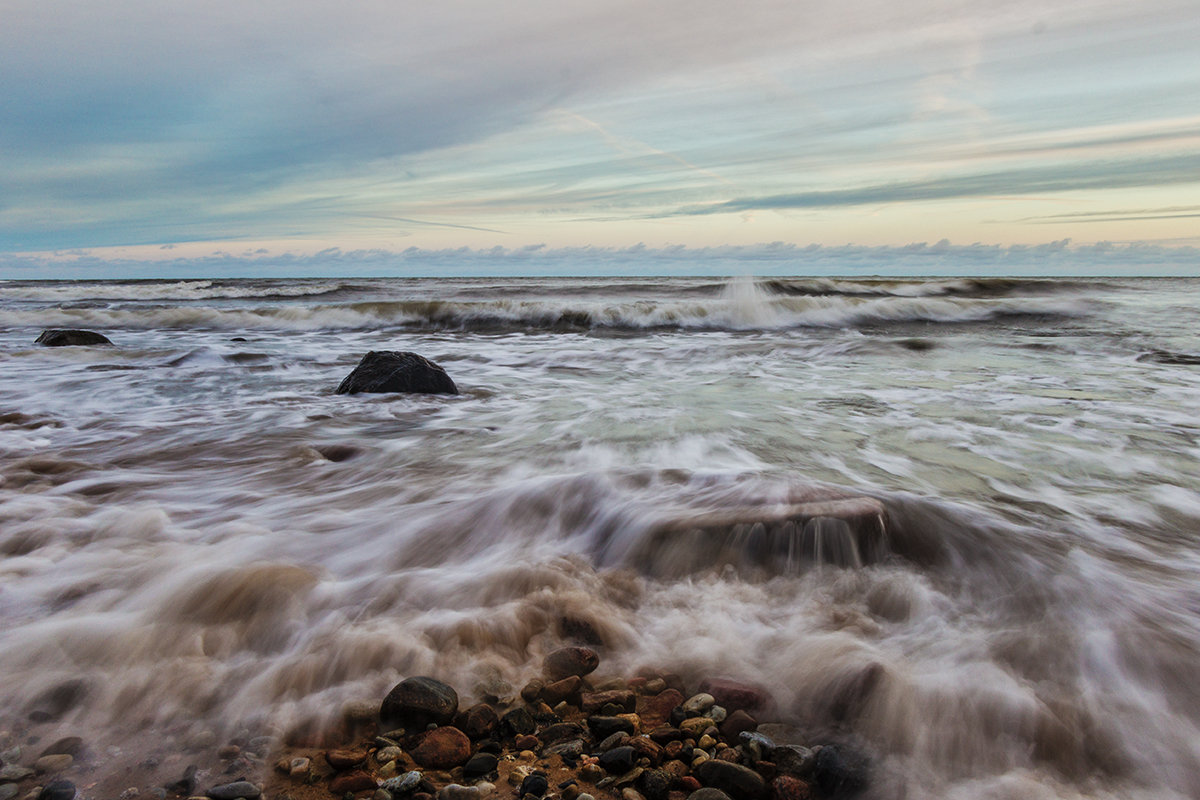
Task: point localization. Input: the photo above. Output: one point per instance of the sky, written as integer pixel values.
(179, 133)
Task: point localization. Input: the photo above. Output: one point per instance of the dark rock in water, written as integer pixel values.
(619, 760)
(57, 790)
(740, 783)
(708, 793)
(383, 371)
(555, 693)
(839, 773)
(442, 748)
(53, 703)
(68, 745)
(735, 696)
(70, 337)
(185, 785)
(232, 791)
(1167, 357)
(415, 702)
(518, 722)
(792, 759)
(480, 764)
(568, 661)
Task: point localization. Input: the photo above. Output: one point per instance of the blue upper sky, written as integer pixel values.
(291, 127)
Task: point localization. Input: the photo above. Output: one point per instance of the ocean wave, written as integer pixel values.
(92, 291)
(745, 312)
(949, 287)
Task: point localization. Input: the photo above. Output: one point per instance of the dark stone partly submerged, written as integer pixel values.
(67, 337)
(383, 371)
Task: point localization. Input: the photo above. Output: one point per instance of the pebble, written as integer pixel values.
(386, 754)
(345, 759)
(456, 791)
(585, 796)
(403, 784)
(299, 767)
(618, 760)
(442, 748)
(416, 702)
(57, 790)
(8, 791)
(517, 722)
(616, 740)
(232, 791)
(517, 775)
(708, 793)
(630, 793)
(535, 784)
(698, 704)
(706, 742)
(568, 661)
(354, 781)
(717, 714)
(388, 770)
(654, 686)
(53, 763)
(590, 773)
(129, 793)
(68, 745)
(480, 764)
(14, 773)
(11, 756)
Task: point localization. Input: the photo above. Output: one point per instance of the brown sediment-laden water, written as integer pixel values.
(951, 522)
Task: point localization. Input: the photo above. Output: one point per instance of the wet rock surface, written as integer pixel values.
(71, 337)
(393, 371)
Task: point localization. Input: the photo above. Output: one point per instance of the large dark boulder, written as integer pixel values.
(414, 703)
(394, 371)
(63, 337)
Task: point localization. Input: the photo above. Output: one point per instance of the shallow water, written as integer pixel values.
(194, 528)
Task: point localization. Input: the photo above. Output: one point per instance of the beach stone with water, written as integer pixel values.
(386, 371)
(57, 790)
(416, 702)
(740, 783)
(442, 748)
(568, 661)
(71, 337)
(232, 791)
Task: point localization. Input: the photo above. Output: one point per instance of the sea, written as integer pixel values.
(952, 525)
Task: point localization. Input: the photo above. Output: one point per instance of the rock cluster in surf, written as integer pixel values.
(571, 738)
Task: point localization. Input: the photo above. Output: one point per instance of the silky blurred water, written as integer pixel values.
(194, 526)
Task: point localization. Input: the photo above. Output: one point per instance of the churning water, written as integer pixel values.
(953, 521)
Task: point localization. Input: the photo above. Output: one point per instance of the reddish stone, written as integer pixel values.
(555, 693)
(665, 733)
(442, 748)
(673, 749)
(736, 723)
(637, 683)
(688, 783)
(479, 721)
(766, 768)
(676, 769)
(568, 661)
(727, 753)
(345, 759)
(657, 710)
(591, 702)
(645, 748)
(785, 787)
(527, 742)
(734, 696)
(352, 782)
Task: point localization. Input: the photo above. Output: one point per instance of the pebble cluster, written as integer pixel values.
(568, 738)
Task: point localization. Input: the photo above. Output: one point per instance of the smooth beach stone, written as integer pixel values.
(740, 783)
(59, 762)
(8, 791)
(68, 745)
(518, 722)
(568, 661)
(734, 695)
(788, 787)
(618, 760)
(708, 793)
(698, 704)
(14, 772)
(57, 790)
(232, 791)
(480, 764)
(562, 730)
(792, 759)
(352, 782)
(442, 748)
(403, 784)
(387, 371)
(416, 702)
(592, 702)
(756, 744)
(536, 784)
(603, 727)
(478, 722)
(71, 337)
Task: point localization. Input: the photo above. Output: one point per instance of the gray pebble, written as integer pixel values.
(8, 791)
(13, 773)
(698, 704)
(402, 784)
(232, 791)
(717, 714)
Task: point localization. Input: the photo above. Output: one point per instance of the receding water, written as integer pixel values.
(997, 593)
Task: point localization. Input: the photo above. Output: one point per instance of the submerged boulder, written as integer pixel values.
(383, 371)
(64, 337)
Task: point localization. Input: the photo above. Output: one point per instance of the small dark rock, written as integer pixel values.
(185, 785)
(517, 722)
(70, 337)
(561, 731)
(383, 371)
(416, 702)
(57, 790)
(618, 760)
(655, 784)
(568, 661)
(232, 791)
(53, 703)
(623, 699)
(535, 784)
(708, 793)
(614, 740)
(791, 759)
(480, 764)
(733, 695)
(737, 723)
(786, 787)
(345, 759)
(657, 710)
(555, 693)
(569, 750)
(526, 742)
(603, 727)
(68, 745)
